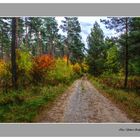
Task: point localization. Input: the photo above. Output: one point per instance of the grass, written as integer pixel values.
(24, 105)
(127, 100)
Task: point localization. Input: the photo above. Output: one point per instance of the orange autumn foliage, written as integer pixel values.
(65, 58)
(41, 65)
(44, 62)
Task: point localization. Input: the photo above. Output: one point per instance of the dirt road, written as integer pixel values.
(82, 103)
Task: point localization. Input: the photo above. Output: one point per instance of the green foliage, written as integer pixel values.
(75, 47)
(84, 67)
(24, 66)
(12, 98)
(134, 66)
(112, 62)
(50, 34)
(116, 23)
(134, 49)
(127, 100)
(38, 36)
(96, 51)
(5, 75)
(24, 105)
(24, 61)
(61, 73)
(5, 42)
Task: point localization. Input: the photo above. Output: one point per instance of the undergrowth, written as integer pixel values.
(24, 105)
(127, 100)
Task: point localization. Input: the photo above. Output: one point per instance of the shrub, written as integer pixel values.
(65, 58)
(61, 73)
(12, 97)
(116, 81)
(2, 67)
(24, 61)
(5, 74)
(24, 65)
(77, 68)
(42, 64)
(134, 82)
(84, 67)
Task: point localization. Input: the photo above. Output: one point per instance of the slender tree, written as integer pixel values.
(75, 47)
(121, 25)
(26, 28)
(5, 35)
(126, 53)
(133, 43)
(13, 51)
(96, 49)
(50, 34)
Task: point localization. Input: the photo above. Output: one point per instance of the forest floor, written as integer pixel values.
(82, 103)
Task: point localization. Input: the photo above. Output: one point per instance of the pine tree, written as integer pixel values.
(50, 34)
(121, 25)
(5, 31)
(75, 47)
(13, 51)
(96, 54)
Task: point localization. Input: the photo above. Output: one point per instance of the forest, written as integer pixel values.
(38, 63)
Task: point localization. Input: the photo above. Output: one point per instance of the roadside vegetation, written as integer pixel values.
(38, 63)
(128, 100)
(40, 81)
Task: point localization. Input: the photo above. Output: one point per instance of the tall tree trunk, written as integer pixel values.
(68, 55)
(126, 53)
(51, 47)
(30, 36)
(68, 58)
(52, 50)
(26, 26)
(46, 49)
(62, 53)
(19, 33)
(40, 43)
(67, 51)
(13, 52)
(30, 41)
(39, 47)
(1, 56)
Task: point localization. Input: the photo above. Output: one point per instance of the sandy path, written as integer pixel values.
(82, 103)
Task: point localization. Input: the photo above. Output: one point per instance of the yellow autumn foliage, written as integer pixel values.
(85, 67)
(2, 67)
(77, 68)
